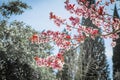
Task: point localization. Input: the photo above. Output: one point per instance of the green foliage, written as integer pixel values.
(92, 61)
(13, 7)
(16, 51)
(116, 53)
(16, 45)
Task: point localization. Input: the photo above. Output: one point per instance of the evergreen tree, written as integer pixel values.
(116, 53)
(92, 64)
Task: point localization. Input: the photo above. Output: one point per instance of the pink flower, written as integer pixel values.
(69, 6)
(100, 10)
(94, 32)
(52, 16)
(34, 38)
(68, 37)
(74, 20)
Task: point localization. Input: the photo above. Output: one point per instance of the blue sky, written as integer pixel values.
(38, 18)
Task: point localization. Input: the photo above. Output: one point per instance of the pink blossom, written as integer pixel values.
(103, 21)
(74, 21)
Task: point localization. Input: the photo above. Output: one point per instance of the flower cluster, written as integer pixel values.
(57, 20)
(109, 26)
(62, 40)
(74, 21)
(104, 22)
(55, 62)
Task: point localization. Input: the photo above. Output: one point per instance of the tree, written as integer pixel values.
(15, 63)
(99, 17)
(13, 8)
(16, 50)
(92, 61)
(20, 52)
(92, 58)
(116, 51)
(14, 69)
